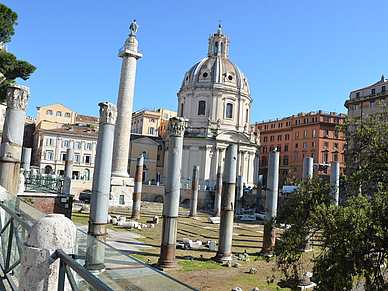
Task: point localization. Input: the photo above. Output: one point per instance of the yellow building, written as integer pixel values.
(151, 123)
(152, 150)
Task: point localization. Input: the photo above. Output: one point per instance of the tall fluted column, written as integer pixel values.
(194, 192)
(217, 198)
(124, 107)
(12, 140)
(334, 181)
(99, 203)
(175, 131)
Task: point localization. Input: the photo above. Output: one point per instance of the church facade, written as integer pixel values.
(215, 99)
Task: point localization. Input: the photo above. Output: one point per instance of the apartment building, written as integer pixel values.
(304, 135)
(151, 123)
(366, 101)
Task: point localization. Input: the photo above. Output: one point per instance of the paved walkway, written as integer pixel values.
(124, 241)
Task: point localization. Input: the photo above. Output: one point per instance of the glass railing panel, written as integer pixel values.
(118, 270)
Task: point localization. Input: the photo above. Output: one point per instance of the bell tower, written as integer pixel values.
(218, 44)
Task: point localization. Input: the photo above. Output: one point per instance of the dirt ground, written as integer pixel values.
(198, 270)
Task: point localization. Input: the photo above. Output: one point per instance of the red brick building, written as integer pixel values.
(304, 135)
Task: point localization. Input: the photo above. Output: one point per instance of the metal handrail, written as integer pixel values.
(65, 262)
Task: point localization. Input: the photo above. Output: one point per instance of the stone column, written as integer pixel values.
(26, 159)
(93, 158)
(240, 194)
(66, 189)
(124, 107)
(334, 181)
(307, 169)
(194, 192)
(224, 252)
(38, 268)
(175, 131)
(271, 202)
(259, 194)
(138, 185)
(12, 140)
(99, 202)
(217, 198)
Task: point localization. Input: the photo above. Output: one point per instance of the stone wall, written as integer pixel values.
(49, 203)
(78, 186)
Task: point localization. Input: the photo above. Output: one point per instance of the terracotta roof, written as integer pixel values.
(86, 118)
(74, 130)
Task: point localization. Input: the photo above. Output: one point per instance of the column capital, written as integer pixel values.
(176, 126)
(108, 113)
(17, 96)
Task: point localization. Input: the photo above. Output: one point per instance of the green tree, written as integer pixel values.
(10, 67)
(351, 239)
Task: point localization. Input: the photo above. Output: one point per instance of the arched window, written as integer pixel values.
(145, 155)
(229, 110)
(246, 116)
(215, 47)
(86, 174)
(201, 107)
(222, 46)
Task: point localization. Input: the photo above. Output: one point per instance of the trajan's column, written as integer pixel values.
(121, 184)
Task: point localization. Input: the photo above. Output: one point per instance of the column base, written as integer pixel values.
(167, 260)
(223, 258)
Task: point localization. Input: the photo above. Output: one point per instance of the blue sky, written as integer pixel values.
(299, 56)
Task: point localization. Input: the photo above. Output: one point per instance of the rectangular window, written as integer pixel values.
(201, 107)
(313, 156)
(279, 148)
(326, 144)
(264, 149)
(335, 157)
(314, 119)
(88, 146)
(67, 115)
(313, 144)
(77, 145)
(305, 134)
(297, 122)
(87, 159)
(357, 106)
(65, 143)
(336, 145)
(165, 116)
(260, 127)
(121, 200)
(373, 91)
(306, 120)
(266, 126)
(288, 123)
(295, 170)
(272, 125)
(372, 104)
(265, 138)
(304, 145)
(296, 135)
(280, 124)
(287, 137)
(279, 137)
(49, 142)
(313, 133)
(63, 156)
(295, 157)
(285, 173)
(383, 89)
(49, 112)
(327, 119)
(151, 130)
(59, 113)
(335, 134)
(49, 156)
(285, 161)
(76, 158)
(358, 94)
(272, 138)
(336, 120)
(325, 158)
(296, 145)
(326, 133)
(286, 148)
(158, 157)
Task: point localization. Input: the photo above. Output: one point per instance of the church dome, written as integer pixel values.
(216, 68)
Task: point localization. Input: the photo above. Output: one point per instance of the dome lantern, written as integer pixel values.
(218, 44)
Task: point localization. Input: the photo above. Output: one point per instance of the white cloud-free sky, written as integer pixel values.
(299, 56)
